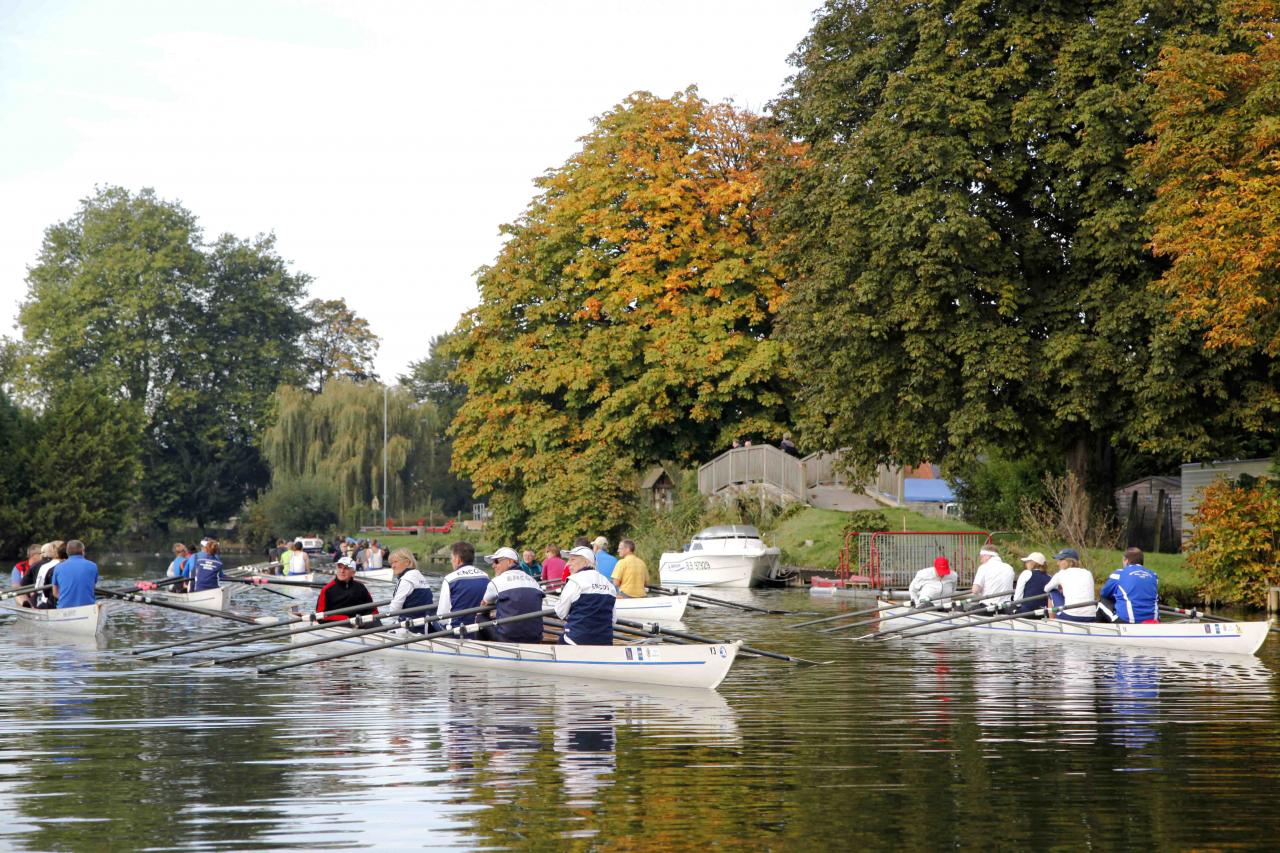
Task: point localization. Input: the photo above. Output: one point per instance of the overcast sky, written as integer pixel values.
(383, 143)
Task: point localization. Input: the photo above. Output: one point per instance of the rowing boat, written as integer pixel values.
(210, 599)
(693, 665)
(290, 589)
(1239, 638)
(85, 621)
(651, 608)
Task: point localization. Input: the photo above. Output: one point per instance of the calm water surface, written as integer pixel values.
(953, 742)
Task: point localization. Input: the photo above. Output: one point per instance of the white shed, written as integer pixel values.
(1197, 475)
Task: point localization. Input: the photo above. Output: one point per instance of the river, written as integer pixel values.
(954, 742)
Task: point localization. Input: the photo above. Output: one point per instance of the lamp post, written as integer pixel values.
(385, 389)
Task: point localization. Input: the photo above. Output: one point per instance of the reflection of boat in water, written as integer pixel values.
(693, 665)
(1235, 638)
(86, 621)
(725, 555)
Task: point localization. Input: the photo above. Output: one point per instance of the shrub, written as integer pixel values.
(992, 491)
(866, 521)
(1236, 541)
(293, 507)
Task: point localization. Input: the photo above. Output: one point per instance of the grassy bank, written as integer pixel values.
(825, 528)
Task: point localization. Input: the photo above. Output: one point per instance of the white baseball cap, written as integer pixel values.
(581, 551)
(1034, 557)
(502, 554)
(346, 561)
(600, 542)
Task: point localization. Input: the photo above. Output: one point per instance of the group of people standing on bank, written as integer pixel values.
(61, 573)
(1130, 593)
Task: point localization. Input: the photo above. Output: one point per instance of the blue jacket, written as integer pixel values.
(208, 570)
(1136, 593)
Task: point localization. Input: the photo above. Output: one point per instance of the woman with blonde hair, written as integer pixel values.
(411, 586)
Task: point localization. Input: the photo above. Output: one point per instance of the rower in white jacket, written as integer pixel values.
(994, 576)
(931, 584)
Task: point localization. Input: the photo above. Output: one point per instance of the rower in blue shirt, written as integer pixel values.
(464, 587)
(74, 578)
(208, 569)
(604, 560)
(1131, 593)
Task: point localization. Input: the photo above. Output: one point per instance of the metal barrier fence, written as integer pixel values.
(761, 464)
(891, 560)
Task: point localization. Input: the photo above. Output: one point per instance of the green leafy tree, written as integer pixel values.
(84, 463)
(17, 490)
(967, 238)
(340, 344)
(626, 320)
(196, 337)
(433, 380)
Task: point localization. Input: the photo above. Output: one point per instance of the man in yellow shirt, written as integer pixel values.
(631, 574)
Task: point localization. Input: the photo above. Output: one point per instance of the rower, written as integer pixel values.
(994, 576)
(464, 587)
(31, 569)
(1134, 592)
(1074, 584)
(586, 602)
(411, 587)
(345, 592)
(208, 567)
(51, 554)
(74, 578)
(179, 557)
(931, 584)
(630, 574)
(514, 593)
(1031, 583)
(299, 563)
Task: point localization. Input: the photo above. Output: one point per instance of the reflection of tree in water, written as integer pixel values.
(151, 782)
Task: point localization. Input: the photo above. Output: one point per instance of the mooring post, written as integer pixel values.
(1273, 600)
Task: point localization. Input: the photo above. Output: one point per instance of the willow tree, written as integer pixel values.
(336, 436)
(627, 318)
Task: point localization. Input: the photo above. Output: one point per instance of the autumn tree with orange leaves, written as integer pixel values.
(626, 320)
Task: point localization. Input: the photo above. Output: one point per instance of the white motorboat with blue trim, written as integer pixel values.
(728, 555)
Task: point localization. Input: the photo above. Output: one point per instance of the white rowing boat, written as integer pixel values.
(1238, 638)
(651, 608)
(85, 621)
(210, 599)
(693, 665)
(289, 589)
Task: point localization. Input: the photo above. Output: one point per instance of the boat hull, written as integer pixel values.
(703, 568)
(86, 621)
(1236, 638)
(209, 599)
(694, 665)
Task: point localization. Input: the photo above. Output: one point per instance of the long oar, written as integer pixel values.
(279, 581)
(950, 616)
(355, 620)
(142, 598)
(261, 584)
(856, 613)
(1193, 614)
(415, 639)
(693, 596)
(655, 628)
(16, 591)
(271, 623)
(1005, 617)
(378, 625)
(912, 612)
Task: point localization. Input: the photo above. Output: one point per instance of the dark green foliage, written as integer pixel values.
(967, 238)
(294, 507)
(992, 490)
(16, 435)
(196, 337)
(866, 521)
(84, 464)
(433, 380)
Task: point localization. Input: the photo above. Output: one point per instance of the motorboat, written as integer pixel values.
(730, 555)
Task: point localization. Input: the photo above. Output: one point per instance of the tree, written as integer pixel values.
(432, 380)
(966, 237)
(336, 437)
(627, 318)
(17, 432)
(196, 336)
(84, 463)
(339, 345)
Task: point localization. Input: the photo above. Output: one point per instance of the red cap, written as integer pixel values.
(941, 566)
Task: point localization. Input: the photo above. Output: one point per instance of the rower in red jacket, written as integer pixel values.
(343, 591)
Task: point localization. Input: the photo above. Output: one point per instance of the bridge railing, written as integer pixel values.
(750, 465)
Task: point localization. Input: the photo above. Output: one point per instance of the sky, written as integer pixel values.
(383, 143)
